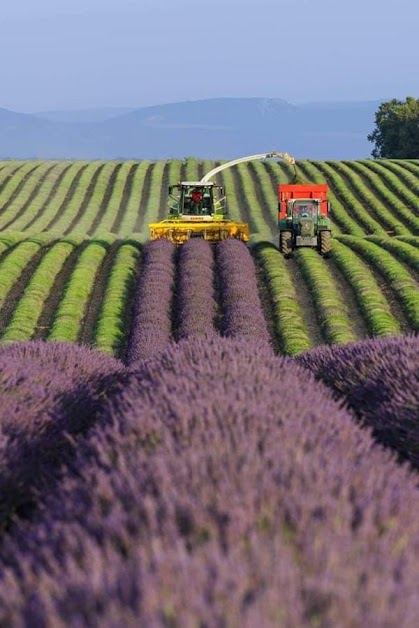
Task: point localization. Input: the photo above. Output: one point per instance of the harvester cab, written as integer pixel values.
(303, 218)
(193, 198)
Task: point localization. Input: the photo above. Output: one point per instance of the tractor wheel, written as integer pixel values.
(285, 243)
(325, 243)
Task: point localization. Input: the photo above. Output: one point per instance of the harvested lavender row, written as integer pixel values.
(48, 391)
(151, 327)
(195, 304)
(243, 313)
(379, 379)
(201, 502)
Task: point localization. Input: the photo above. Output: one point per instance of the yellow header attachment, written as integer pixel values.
(213, 231)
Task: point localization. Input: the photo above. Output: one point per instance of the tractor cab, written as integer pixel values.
(194, 198)
(304, 214)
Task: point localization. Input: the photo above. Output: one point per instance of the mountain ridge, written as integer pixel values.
(215, 128)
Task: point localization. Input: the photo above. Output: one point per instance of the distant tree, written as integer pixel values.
(396, 133)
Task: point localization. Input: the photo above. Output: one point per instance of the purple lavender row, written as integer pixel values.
(243, 313)
(379, 379)
(201, 502)
(50, 394)
(196, 307)
(151, 327)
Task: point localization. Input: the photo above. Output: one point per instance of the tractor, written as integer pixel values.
(303, 218)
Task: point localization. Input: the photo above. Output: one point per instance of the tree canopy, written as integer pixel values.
(396, 133)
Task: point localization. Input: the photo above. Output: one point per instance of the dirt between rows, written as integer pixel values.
(30, 198)
(106, 198)
(70, 193)
(126, 194)
(145, 196)
(358, 323)
(306, 303)
(88, 195)
(51, 195)
(50, 308)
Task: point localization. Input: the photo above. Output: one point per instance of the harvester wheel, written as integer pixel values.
(285, 243)
(325, 243)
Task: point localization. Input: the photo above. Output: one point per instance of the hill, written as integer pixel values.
(213, 129)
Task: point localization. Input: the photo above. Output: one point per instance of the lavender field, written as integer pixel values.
(204, 480)
(207, 436)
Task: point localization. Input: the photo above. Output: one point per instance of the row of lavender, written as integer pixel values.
(217, 484)
(179, 295)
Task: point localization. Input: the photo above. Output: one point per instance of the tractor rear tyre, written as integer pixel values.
(285, 243)
(325, 244)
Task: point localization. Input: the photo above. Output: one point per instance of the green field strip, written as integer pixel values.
(233, 208)
(50, 199)
(14, 263)
(332, 312)
(164, 188)
(34, 203)
(369, 188)
(23, 324)
(6, 167)
(289, 326)
(410, 164)
(81, 193)
(268, 194)
(152, 208)
(192, 170)
(403, 183)
(372, 302)
(413, 240)
(68, 320)
(25, 196)
(126, 194)
(134, 200)
(11, 176)
(145, 199)
(352, 203)
(105, 222)
(201, 169)
(261, 210)
(104, 203)
(95, 206)
(113, 323)
(399, 279)
(259, 229)
(402, 250)
(341, 220)
(9, 239)
(392, 209)
(14, 185)
(174, 172)
(9, 171)
(61, 199)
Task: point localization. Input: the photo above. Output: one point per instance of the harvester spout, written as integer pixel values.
(272, 155)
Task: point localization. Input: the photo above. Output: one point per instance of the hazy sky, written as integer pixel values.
(68, 54)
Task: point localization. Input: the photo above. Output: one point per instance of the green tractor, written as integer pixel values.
(303, 218)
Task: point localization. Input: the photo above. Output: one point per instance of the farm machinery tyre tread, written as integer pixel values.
(285, 243)
(325, 243)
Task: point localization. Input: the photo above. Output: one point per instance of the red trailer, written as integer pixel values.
(288, 191)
